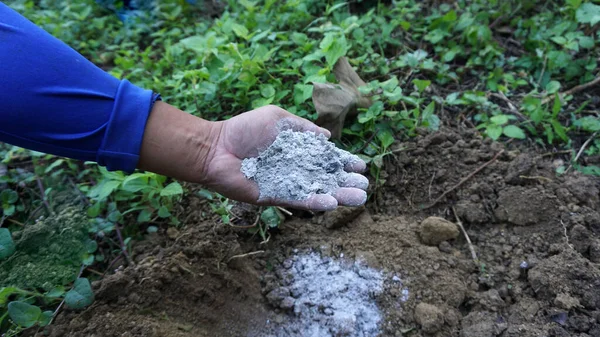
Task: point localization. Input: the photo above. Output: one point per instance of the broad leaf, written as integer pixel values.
(23, 314)
(173, 188)
(493, 131)
(514, 131)
(7, 245)
(81, 295)
(270, 216)
(588, 13)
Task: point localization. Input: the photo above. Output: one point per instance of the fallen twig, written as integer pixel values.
(573, 90)
(464, 180)
(244, 255)
(471, 248)
(15, 222)
(536, 178)
(587, 142)
(511, 105)
(43, 194)
(249, 226)
(285, 211)
(122, 244)
(565, 233)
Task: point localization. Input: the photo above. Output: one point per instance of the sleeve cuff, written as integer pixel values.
(120, 149)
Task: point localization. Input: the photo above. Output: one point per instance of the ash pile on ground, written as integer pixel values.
(298, 165)
(320, 296)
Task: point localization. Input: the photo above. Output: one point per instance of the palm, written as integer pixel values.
(245, 136)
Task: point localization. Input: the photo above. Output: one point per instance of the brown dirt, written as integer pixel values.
(537, 237)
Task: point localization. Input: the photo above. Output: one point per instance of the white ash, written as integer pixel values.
(298, 165)
(324, 297)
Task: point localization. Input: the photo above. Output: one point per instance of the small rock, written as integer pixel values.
(445, 247)
(435, 230)
(287, 303)
(172, 233)
(367, 258)
(565, 301)
(595, 251)
(429, 317)
(277, 295)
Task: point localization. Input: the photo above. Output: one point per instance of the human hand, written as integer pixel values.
(245, 136)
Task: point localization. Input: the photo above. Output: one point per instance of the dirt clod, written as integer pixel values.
(435, 230)
(429, 317)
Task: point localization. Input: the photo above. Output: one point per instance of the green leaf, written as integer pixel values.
(586, 42)
(421, 84)
(45, 318)
(559, 130)
(240, 31)
(302, 92)
(106, 188)
(394, 96)
(552, 87)
(8, 197)
(333, 46)
(91, 246)
(390, 84)
(144, 216)
(513, 131)
(206, 194)
(135, 182)
(499, 119)
(270, 217)
(56, 292)
(5, 293)
(172, 189)
(589, 123)
(556, 106)
(7, 245)
(267, 91)
(23, 314)
(493, 131)
(81, 295)
(163, 212)
(386, 138)
(8, 209)
(588, 13)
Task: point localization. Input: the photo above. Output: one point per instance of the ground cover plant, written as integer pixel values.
(520, 73)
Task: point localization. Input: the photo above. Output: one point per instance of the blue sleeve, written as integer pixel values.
(53, 100)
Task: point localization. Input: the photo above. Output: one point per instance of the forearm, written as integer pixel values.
(177, 144)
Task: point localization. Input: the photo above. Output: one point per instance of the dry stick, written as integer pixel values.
(83, 197)
(464, 180)
(511, 105)
(122, 243)
(587, 142)
(112, 263)
(471, 248)
(43, 194)
(565, 233)
(15, 222)
(573, 90)
(244, 255)
(285, 211)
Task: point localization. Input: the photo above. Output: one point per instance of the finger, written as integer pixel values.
(356, 180)
(355, 165)
(315, 203)
(352, 197)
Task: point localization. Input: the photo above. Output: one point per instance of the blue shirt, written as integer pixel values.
(53, 100)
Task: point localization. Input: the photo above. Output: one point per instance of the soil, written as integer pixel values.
(536, 236)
